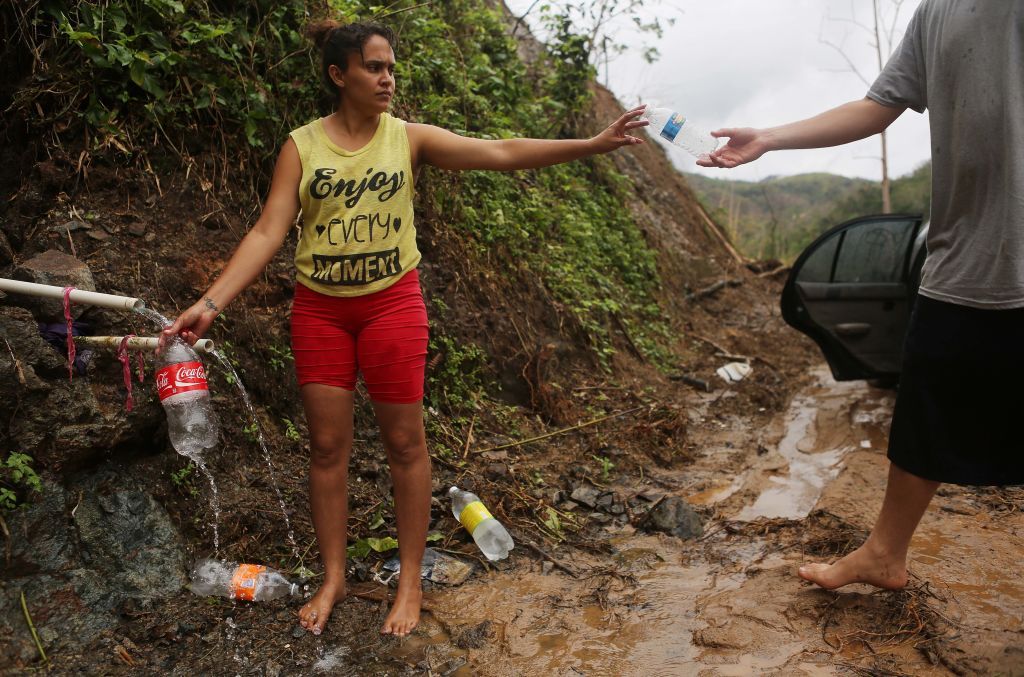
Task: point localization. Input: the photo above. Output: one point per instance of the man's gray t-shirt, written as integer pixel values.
(963, 60)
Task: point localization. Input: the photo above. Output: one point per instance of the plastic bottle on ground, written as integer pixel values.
(251, 582)
(181, 384)
(490, 536)
(676, 129)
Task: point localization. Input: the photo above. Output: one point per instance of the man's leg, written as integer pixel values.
(882, 559)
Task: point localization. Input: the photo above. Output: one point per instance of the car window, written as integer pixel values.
(818, 266)
(874, 252)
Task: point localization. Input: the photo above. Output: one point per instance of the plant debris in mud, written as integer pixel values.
(887, 618)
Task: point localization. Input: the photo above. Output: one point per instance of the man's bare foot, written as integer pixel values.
(863, 565)
(405, 612)
(314, 614)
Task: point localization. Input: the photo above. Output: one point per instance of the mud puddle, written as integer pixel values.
(730, 603)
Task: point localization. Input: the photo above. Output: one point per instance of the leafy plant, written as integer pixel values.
(17, 481)
(290, 431)
(606, 465)
(184, 480)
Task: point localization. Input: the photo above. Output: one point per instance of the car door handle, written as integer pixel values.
(853, 328)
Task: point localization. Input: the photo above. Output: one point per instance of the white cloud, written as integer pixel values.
(756, 63)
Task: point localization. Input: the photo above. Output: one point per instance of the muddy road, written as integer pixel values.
(804, 488)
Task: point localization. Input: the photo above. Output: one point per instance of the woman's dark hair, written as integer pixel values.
(337, 40)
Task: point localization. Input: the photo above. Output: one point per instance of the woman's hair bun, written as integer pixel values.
(320, 31)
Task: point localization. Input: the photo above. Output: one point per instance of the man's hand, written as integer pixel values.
(745, 145)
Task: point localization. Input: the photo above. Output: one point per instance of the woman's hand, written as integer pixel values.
(615, 135)
(192, 324)
(745, 145)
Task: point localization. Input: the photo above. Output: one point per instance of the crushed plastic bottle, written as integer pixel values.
(490, 536)
(250, 582)
(678, 130)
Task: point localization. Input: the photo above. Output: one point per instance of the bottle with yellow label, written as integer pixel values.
(490, 536)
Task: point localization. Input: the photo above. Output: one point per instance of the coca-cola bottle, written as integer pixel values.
(181, 384)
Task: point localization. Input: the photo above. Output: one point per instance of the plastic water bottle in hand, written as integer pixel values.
(181, 384)
(676, 129)
(250, 582)
(490, 536)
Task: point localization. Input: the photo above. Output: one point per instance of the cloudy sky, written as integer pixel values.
(758, 63)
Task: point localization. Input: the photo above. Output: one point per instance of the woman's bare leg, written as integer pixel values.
(882, 559)
(405, 441)
(329, 416)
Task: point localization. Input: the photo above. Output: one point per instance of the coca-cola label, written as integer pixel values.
(180, 378)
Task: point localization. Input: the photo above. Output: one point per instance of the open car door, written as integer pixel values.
(851, 292)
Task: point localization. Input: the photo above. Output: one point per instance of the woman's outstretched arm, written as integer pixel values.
(446, 150)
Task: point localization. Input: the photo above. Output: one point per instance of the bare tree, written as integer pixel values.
(881, 33)
(609, 27)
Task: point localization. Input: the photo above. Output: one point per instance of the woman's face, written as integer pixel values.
(369, 80)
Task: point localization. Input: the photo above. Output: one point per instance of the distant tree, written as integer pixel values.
(881, 33)
(606, 28)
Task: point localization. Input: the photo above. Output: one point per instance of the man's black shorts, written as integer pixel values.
(959, 413)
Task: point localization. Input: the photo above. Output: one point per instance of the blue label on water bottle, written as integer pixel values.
(672, 127)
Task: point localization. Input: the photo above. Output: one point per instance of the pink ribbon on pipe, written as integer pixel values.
(71, 340)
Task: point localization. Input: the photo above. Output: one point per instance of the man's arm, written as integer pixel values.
(850, 122)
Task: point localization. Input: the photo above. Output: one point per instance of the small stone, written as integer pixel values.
(70, 226)
(546, 568)
(298, 631)
(137, 228)
(99, 235)
(600, 517)
(585, 495)
(674, 516)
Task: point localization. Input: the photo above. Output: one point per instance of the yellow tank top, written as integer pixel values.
(358, 235)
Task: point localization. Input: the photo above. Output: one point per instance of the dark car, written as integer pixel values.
(852, 291)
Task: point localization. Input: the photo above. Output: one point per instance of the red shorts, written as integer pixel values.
(383, 335)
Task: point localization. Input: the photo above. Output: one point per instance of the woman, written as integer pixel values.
(358, 304)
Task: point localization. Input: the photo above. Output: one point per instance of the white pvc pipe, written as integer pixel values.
(89, 298)
(138, 343)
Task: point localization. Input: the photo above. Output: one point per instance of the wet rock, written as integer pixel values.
(585, 495)
(605, 501)
(298, 631)
(137, 228)
(674, 516)
(99, 235)
(599, 517)
(57, 269)
(272, 669)
(118, 552)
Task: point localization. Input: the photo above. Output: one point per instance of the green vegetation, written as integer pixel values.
(777, 217)
(219, 85)
(17, 481)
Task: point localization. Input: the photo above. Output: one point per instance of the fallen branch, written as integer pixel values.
(519, 443)
(32, 627)
(697, 383)
(712, 289)
(7, 547)
(558, 565)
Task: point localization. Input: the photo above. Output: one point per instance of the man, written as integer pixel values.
(960, 398)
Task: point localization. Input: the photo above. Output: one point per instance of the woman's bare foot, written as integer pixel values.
(863, 565)
(405, 612)
(314, 614)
